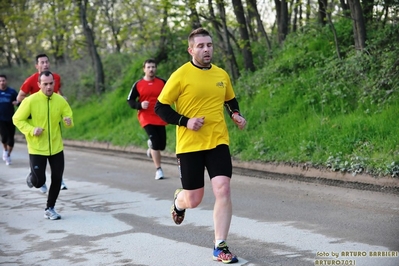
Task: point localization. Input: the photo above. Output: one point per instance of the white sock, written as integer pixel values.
(177, 207)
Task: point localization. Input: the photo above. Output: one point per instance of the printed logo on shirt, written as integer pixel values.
(220, 84)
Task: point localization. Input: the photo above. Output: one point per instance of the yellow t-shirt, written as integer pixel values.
(197, 92)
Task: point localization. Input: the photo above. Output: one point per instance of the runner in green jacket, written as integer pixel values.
(39, 118)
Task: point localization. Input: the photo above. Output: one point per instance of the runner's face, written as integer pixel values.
(3, 83)
(201, 51)
(46, 84)
(150, 69)
(42, 64)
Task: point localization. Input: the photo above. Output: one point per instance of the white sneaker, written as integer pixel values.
(5, 155)
(8, 160)
(43, 189)
(159, 174)
(63, 186)
(51, 214)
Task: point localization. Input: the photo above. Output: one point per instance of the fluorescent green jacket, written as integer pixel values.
(39, 110)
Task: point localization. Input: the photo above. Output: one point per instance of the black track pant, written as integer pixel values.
(38, 164)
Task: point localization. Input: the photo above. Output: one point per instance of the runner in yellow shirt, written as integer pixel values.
(198, 90)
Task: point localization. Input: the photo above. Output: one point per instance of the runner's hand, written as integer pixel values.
(239, 120)
(145, 104)
(38, 131)
(195, 123)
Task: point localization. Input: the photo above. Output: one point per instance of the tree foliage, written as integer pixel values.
(157, 28)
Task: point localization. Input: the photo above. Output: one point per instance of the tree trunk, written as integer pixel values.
(7, 55)
(308, 12)
(216, 25)
(295, 20)
(232, 63)
(282, 20)
(162, 53)
(337, 49)
(386, 10)
(246, 47)
(322, 12)
(109, 10)
(250, 21)
(359, 29)
(300, 15)
(58, 40)
(368, 6)
(195, 21)
(6, 45)
(95, 57)
(345, 8)
(259, 22)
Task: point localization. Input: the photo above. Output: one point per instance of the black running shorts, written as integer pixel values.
(157, 135)
(192, 165)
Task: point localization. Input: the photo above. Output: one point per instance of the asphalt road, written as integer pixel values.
(115, 213)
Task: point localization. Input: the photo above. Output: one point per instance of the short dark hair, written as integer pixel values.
(197, 32)
(45, 73)
(3, 76)
(40, 55)
(150, 61)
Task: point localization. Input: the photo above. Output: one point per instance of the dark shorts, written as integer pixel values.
(192, 165)
(7, 132)
(157, 135)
